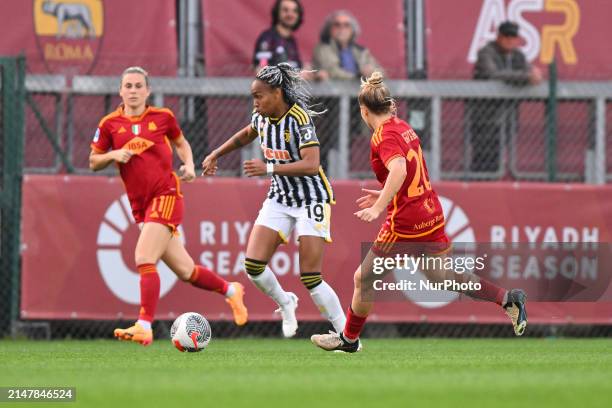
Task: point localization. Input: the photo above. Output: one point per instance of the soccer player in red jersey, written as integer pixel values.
(413, 215)
(139, 139)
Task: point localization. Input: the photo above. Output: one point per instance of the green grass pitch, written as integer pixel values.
(293, 373)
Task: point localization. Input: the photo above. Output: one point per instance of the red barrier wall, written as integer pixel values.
(110, 36)
(571, 31)
(231, 28)
(78, 246)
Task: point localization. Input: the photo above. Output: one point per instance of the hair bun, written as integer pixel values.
(375, 79)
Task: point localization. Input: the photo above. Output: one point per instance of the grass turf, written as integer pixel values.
(293, 373)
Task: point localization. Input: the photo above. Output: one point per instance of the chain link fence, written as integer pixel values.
(12, 76)
(469, 131)
(91, 329)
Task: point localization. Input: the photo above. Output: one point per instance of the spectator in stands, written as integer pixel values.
(277, 44)
(500, 59)
(338, 56)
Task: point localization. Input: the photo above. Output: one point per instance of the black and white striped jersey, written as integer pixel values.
(281, 141)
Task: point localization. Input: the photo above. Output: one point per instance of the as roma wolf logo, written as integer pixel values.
(69, 34)
(429, 205)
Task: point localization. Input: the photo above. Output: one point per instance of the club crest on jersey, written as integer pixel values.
(275, 154)
(136, 129)
(138, 145)
(429, 205)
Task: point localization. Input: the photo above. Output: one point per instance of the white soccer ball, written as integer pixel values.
(190, 332)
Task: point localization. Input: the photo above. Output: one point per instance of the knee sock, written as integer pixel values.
(490, 292)
(206, 279)
(263, 277)
(325, 298)
(149, 293)
(354, 325)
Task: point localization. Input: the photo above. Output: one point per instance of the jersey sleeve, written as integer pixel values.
(254, 120)
(390, 147)
(174, 130)
(102, 140)
(307, 135)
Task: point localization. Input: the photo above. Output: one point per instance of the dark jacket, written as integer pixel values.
(271, 49)
(493, 63)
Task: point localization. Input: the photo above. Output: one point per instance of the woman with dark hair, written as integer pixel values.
(338, 56)
(277, 44)
(300, 195)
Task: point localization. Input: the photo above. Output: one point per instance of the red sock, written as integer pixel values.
(204, 278)
(354, 325)
(489, 291)
(149, 291)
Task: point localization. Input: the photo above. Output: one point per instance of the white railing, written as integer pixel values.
(600, 93)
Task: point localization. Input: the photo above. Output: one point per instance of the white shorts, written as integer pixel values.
(313, 219)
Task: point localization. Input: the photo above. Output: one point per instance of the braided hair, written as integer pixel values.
(294, 87)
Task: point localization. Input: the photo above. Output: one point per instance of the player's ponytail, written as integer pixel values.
(293, 86)
(375, 95)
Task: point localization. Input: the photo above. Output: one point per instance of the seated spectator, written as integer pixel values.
(338, 56)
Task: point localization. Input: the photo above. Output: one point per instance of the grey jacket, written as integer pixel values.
(326, 57)
(493, 63)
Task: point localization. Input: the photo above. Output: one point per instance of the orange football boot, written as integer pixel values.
(236, 302)
(135, 333)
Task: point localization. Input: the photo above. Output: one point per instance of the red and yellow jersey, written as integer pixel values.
(415, 211)
(148, 173)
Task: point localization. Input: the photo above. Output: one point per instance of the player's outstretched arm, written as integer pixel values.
(99, 161)
(395, 179)
(184, 152)
(241, 138)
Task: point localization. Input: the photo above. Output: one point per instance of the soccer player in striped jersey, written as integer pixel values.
(413, 215)
(139, 139)
(300, 194)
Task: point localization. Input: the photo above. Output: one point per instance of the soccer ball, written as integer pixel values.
(190, 332)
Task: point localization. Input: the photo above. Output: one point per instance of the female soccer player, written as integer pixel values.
(299, 196)
(414, 215)
(139, 138)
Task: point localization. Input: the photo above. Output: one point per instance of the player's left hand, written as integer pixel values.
(368, 200)
(254, 167)
(187, 172)
(368, 214)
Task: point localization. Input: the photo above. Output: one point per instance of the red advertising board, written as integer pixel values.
(78, 242)
(100, 37)
(231, 28)
(572, 32)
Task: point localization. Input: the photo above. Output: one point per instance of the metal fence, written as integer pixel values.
(470, 130)
(566, 138)
(11, 151)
